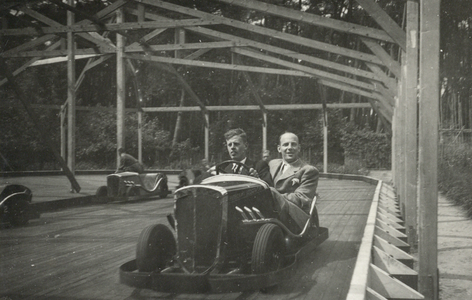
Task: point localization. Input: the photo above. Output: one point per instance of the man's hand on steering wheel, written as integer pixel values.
(237, 167)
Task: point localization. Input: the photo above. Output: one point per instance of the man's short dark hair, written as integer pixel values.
(236, 132)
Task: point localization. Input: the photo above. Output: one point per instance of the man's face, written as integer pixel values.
(236, 148)
(289, 147)
(265, 157)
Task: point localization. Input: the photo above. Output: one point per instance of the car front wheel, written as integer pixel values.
(156, 248)
(268, 250)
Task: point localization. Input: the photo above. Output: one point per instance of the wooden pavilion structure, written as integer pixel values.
(403, 91)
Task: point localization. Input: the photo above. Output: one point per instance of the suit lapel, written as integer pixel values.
(292, 169)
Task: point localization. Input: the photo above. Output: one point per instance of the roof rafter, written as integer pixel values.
(268, 32)
(312, 19)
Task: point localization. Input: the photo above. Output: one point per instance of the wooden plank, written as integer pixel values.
(428, 148)
(97, 39)
(264, 31)
(311, 19)
(71, 94)
(411, 121)
(389, 214)
(391, 239)
(120, 88)
(358, 285)
(309, 70)
(395, 268)
(392, 230)
(224, 66)
(385, 21)
(392, 225)
(389, 287)
(391, 222)
(81, 28)
(186, 46)
(395, 252)
(388, 61)
(373, 295)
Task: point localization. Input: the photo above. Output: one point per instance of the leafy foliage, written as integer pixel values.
(371, 148)
(454, 173)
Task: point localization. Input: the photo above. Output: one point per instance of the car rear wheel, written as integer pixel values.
(18, 212)
(155, 249)
(268, 250)
(164, 191)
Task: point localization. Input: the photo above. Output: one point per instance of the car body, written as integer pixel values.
(15, 208)
(227, 238)
(133, 186)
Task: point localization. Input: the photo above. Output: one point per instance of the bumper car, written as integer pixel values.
(15, 208)
(126, 186)
(224, 236)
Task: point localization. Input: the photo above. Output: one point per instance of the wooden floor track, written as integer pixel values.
(75, 253)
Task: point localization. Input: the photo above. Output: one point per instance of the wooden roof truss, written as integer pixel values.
(375, 78)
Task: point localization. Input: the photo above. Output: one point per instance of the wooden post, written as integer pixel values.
(71, 92)
(325, 141)
(207, 136)
(428, 149)
(264, 131)
(411, 84)
(141, 18)
(63, 132)
(120, 87)
(179, 38)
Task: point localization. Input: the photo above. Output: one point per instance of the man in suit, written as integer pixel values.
(128, 163)
(237, 146)
(295, 182)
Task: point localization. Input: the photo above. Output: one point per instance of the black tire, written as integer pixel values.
(268, 250)
(132, 191)
(19, 212)
(155, 249)
(164, 191)
(102, 192)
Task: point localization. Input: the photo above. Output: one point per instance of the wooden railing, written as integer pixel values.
(384, 267)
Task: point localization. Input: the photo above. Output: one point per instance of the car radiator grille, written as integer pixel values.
(200, 219)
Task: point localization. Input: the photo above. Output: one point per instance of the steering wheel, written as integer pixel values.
(237, 168)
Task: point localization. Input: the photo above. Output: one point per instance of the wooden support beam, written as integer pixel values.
(429, 92)
(359, 279)
(380, 52)
(71, 101)
(389, 82)
(185, 46)
(311, 19)
(411, 121)
(392, 231)
(394, 252)
(120, 87)
(274, 34)
(395, 268)
(391, 239)
(28, 63)
(390, 288)
(385, 21)
(97, 39)
(129, 26)
(312, 71)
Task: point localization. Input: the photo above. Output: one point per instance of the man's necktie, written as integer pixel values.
(283, 168)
